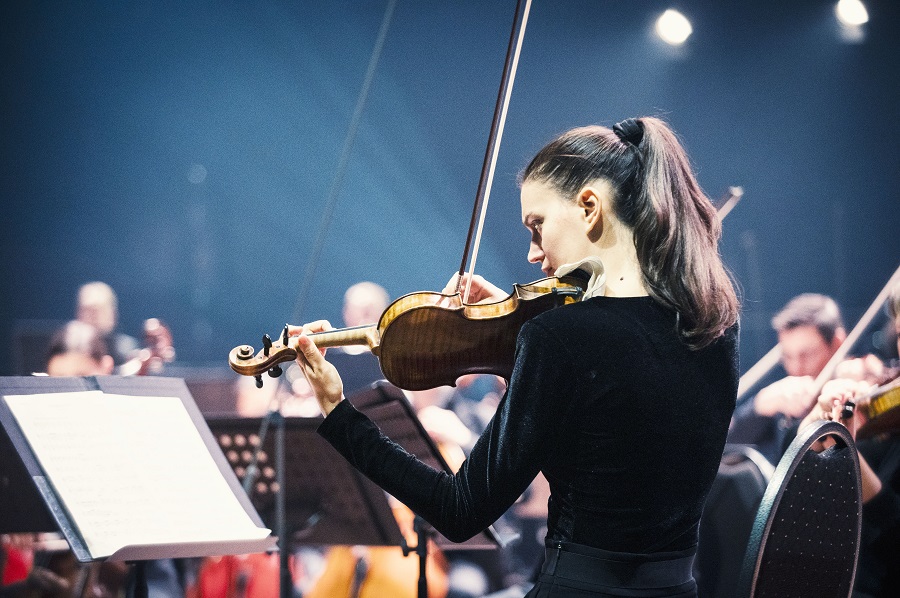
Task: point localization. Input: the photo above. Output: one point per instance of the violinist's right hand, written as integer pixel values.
(480, 290)
(792, 396)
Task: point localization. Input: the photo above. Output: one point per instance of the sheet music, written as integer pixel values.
(131, 470)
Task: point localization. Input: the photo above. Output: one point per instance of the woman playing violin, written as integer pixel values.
(622, 400)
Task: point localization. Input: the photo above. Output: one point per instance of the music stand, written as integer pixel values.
(35, 500)
(326, 500)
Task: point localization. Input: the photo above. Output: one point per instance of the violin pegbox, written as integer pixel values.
(243, 360)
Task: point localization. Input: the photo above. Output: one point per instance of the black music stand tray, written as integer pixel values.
(30, 501)
(328, 501)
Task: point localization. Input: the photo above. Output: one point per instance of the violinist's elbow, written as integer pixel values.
(460, 534)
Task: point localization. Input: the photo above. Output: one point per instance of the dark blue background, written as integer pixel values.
(113, 111)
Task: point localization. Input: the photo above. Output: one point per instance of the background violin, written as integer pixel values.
(882, 408)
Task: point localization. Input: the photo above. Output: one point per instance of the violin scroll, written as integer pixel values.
(244, 360)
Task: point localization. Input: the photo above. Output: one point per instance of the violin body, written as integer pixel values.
(424, 340)
(425, 344)
(882, 407)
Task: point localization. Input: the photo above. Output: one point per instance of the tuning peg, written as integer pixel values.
(284, 336)
(275, 371)
(258, 381)
(267, 344)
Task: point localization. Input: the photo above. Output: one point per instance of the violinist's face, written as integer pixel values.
(557, 226)
(805, 352)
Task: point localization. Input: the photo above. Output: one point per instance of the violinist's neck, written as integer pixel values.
(626, 287)
(623, 273)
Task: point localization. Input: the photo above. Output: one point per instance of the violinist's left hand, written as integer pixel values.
(830, 404)
(322, 376)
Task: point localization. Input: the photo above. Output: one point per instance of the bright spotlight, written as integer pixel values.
(673, 27)
(851, 13)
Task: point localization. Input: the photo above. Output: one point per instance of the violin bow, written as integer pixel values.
(482, 196)
(773, 357)
(731, 199)
(343, 162)
(839, 355)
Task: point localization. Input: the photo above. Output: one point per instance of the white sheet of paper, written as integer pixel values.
(131, 470)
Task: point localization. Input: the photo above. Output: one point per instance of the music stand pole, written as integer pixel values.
(285, 586)
(276, 417)
(423, 532)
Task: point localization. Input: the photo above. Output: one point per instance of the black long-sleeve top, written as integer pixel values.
(625, 421)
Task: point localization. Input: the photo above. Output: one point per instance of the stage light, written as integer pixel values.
(851, 13)
(673, 27)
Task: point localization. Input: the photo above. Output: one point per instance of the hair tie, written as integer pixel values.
(630, 130)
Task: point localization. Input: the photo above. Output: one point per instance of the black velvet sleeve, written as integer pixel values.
(506, 458)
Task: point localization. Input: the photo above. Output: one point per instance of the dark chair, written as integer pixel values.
(728, 517)
(805, 539)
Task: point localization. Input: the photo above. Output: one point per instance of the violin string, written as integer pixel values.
(495, 150)
(343, 163)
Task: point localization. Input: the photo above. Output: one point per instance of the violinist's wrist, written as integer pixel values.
(328, 405)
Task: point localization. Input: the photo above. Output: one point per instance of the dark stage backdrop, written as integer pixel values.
(182, 151)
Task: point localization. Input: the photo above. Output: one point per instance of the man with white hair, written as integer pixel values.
(99, 307)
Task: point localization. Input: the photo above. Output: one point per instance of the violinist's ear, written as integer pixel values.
(594, 202)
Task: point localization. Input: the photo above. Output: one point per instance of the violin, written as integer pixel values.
(882, 407)
(427, 339)
(158, 350)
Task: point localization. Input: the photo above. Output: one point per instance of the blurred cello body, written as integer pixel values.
(378, 571)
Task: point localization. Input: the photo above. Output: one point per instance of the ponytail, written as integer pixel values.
(676, 229)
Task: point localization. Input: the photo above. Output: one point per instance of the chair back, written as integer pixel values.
(805, 539)
(728, 516)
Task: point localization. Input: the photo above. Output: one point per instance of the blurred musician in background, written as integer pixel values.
(877, 575)
(98, 306)
(364, 302)
(810, 330)
(78, 349)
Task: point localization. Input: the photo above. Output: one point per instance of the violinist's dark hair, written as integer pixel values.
(676, 228)
(810, 309)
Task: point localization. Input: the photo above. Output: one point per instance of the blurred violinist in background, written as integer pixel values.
(877, 575)
(98, 306)
(78, 349)
(810, 330)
